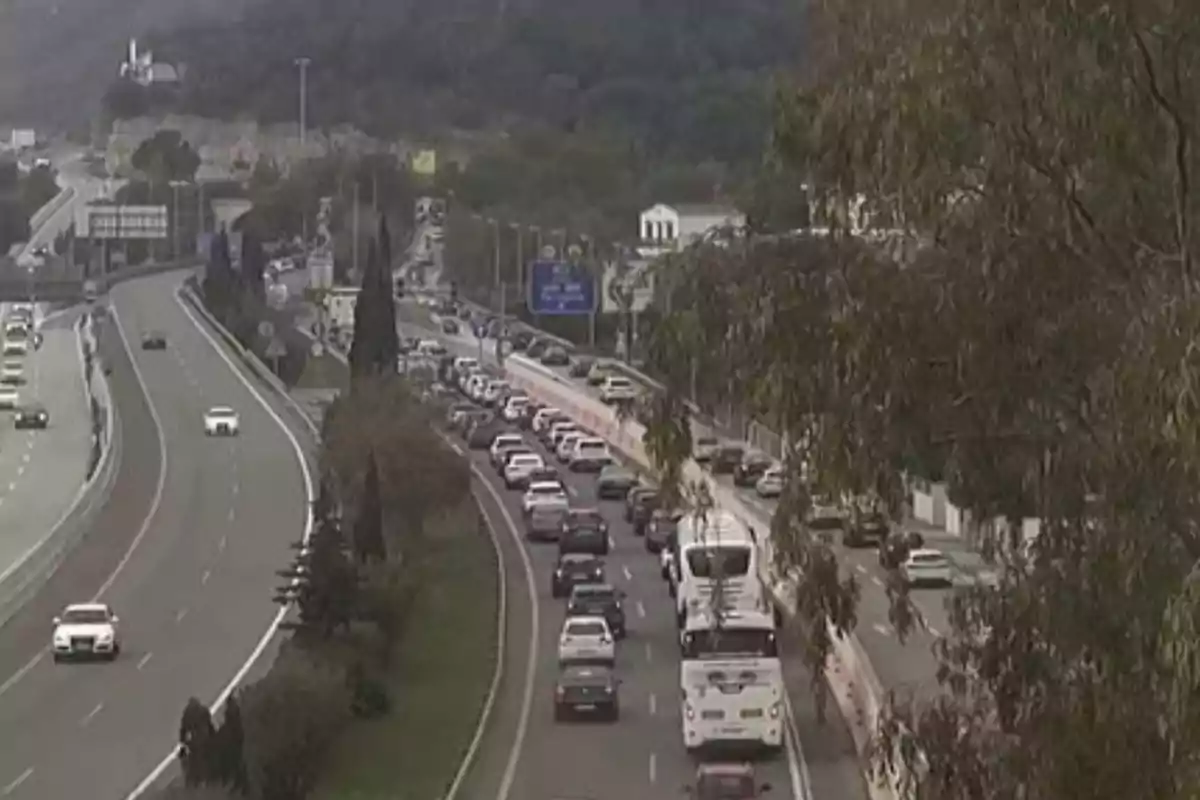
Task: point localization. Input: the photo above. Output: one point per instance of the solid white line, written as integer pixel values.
(151, 512)
(12, 786)
(91, 715)
(310, 494)
(882, 630)
(144, 660)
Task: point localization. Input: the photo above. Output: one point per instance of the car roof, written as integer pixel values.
(926, 552)
(86, 607)
(585, 619)
(220, 410)
(593, 588)
(591, 511)
(578, 558)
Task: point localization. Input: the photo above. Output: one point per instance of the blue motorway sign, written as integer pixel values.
(559, 288)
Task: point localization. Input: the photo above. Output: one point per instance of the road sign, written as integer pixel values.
(626, 286)
(106, 221)
(558, 288)
(266, 329)
(276, 349)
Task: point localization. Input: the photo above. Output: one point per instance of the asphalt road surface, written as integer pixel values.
(186, 557)
(42, 471)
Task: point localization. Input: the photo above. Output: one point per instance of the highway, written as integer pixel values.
(43, 471)
(185, 552)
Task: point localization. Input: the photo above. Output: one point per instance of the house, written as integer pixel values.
(663, 228)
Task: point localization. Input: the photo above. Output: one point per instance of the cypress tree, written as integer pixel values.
(230, 748)
(254, 263)
(389, 349)
(368, 527)
(368, 322)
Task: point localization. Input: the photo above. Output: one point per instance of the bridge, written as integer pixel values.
(60, 283)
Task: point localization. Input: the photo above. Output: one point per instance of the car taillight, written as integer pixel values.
(688, 711)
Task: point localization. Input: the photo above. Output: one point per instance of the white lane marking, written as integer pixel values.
(641, 609)
(221, 544)
(649, 653)
(237, 486)
(861, 569)
(876, 580)
(12, 485)
(882, 630)
(144, 660)
(654, 767)
(625, 571)
(26, 457)
(151, 512)
(180, 614)
(455, 447)
(934, 632)
(310, 496)
(204, 578)
(12, 786)
(653, 704)
(571, 490)
(21, 470)
(232, 513)
(91, 715)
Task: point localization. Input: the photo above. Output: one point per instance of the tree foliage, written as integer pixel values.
(369, 544)
(166, 156)
(1026, 332)
(374, 348)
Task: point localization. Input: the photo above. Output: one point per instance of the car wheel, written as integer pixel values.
(58, 659)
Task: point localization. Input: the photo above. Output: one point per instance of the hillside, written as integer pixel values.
(685, 78)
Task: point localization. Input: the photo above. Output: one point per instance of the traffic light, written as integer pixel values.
(399, 288)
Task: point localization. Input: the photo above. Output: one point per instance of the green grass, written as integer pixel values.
(439, 681)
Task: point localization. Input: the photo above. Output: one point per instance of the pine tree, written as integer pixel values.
(230, 748)
(389, 346)
(368, 322)
(368, 527)
(254, 263)
(197, 737)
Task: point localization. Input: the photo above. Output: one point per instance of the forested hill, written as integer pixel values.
(685, 78)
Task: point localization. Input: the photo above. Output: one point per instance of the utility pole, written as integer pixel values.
(303, 63)
(354, 231)
(590, 262)
(520, 260)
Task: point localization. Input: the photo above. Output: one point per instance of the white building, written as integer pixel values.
(142, 69)
(664, 228)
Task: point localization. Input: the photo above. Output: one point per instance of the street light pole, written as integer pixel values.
(303, 63)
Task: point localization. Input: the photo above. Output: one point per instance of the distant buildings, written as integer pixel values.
(142, 69)
(669, 228)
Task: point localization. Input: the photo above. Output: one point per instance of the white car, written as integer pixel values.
(586, 639)
(770, 484)
(590, 454)
(926, 566)
(12, 373)
(566, 444)
(542, 419)
(221, 421)
(617, 389)
(704, 448)
(14, 346)
(491, 392)
(9, 397)
(519, 467)
(558, 431)
(544, 494)
(86, 630)
(515, 407)
(503, 441)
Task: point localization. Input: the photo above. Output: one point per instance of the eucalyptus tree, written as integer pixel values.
(1032, 342)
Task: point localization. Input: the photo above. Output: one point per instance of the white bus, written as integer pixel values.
(732, 681)
(715, 551)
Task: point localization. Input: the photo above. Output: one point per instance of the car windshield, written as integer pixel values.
(585, 516)
(825, 523)
(616, 473)
(221, 412)
(85, 616)
(585, 629)
(594, 594)
(545, 488)
(928, 559)
(706, 441)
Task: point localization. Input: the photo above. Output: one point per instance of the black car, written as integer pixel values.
(751, 469)
(660, 532)
(450, 327)
(590, 690)
(580, 367)
(894, 549)
(154, 340)
(585, 517)
(574, 569)
(641, 507)
(614, 482)
(586, 539)
(866, 530)
(599, 600)
(482, 434)
(555, 357)
(520, 339)
(32, 418)
(473, 418)
(727, 458)
(536, 347)
(634, 496)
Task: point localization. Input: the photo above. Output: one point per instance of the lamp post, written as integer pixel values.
(302, 64)
(175, 187)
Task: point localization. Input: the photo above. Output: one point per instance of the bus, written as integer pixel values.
(715, 552)
(731, 681)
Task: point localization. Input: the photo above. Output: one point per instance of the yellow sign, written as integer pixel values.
(424, 162)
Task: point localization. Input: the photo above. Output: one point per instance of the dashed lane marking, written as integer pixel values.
(91, 715)
(12, 786)
(180, 614)
(144, 660)
(882, 630)
(204, 578)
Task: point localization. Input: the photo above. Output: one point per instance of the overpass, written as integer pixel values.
(60, 283)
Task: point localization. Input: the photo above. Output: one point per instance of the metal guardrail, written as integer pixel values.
(22, 580)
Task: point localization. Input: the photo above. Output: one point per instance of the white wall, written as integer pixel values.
(659, 224)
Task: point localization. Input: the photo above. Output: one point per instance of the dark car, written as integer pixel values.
(580, 367)
(546, 473)
(153, 340)
(660, 532)
(473, 418)
(32, 418)
(536, 347)
(408, 344)
(482, 434)
(458, 414)
(450, 327)
(614, 482)
(642, 506)
(751, 469)
(599, 600)
(586, 539)
(586, 516)
(574, 569)
(727, 458)
(866, 530)
(520, 339)
(590, 690)
(634, 496)
(894, 549)
(716, 781)
(555, 357)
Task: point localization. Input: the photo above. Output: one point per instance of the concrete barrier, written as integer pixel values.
(50, 209)
(20, 581)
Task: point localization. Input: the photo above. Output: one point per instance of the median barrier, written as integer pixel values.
(49, 209)
(852, 679)
(20, 581)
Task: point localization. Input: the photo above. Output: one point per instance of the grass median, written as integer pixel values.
(439, 681)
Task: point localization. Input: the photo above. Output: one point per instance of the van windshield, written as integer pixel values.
(727, 561)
